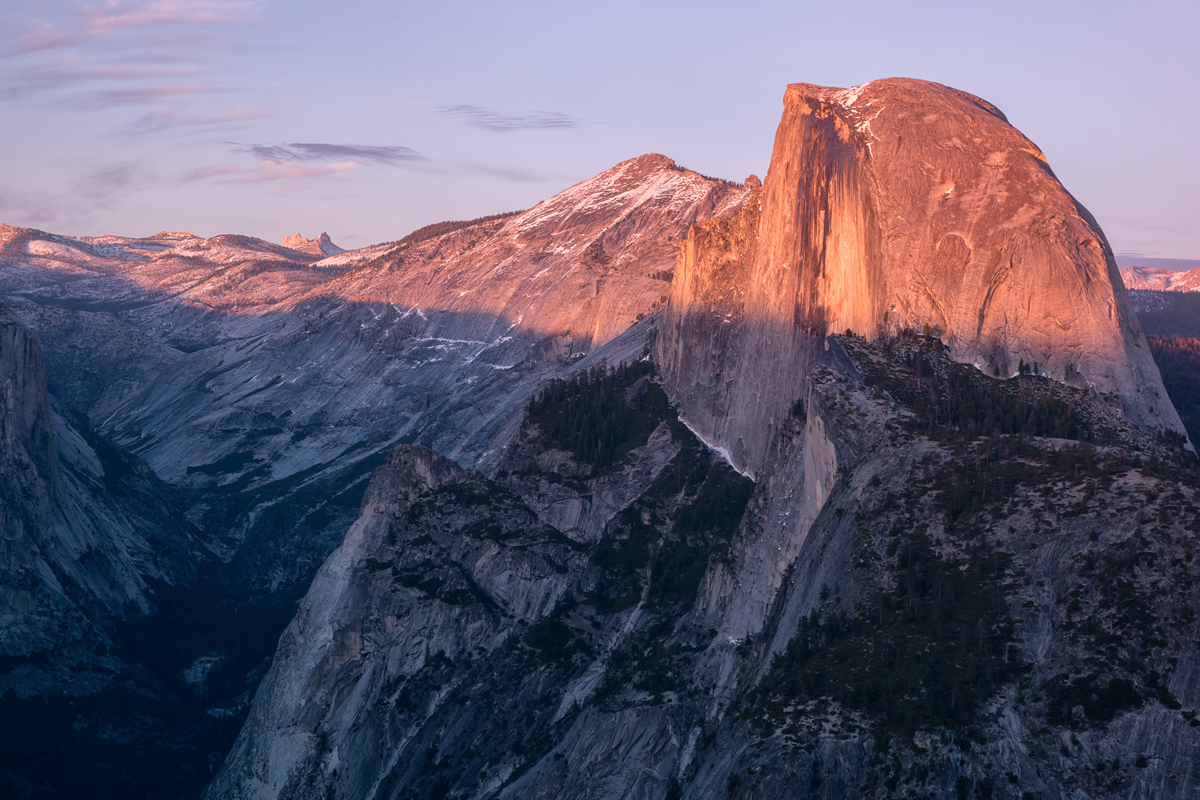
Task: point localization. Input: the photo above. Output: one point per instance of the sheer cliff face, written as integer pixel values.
(898, 204)
(82, 533)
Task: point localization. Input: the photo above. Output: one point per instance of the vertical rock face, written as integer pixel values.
(82, 533)
(898, 204)
(26, 422)
(31, 601)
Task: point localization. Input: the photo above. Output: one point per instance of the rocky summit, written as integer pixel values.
(898, 204)
(320, 246)
(858, 482)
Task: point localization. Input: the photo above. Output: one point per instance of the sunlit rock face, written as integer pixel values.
(898, 204)
(320, 246)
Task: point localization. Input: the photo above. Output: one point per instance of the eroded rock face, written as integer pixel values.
(83, 533)
(321, 246)
(447, 574)
(897, 204)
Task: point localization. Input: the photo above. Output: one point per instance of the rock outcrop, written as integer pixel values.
(897, 204)
(321, 246)
(447, 574)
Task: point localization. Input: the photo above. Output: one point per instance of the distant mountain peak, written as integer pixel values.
(1161, 279)
(320, 246)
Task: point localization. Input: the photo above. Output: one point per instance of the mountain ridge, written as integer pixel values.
(1160, 279)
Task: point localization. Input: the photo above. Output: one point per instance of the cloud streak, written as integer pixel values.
(321, 151)
(97, 21)
(182, 117)
(74, 203)
(292, 161)
(297, 161)
(267, 172)
(150, 56)
(507, 122)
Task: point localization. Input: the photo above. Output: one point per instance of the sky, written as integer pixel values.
(370, 119)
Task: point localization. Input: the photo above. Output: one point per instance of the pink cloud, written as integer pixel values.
(210, 171)
(98, 21)
(151, 94)
(114, 16)
(267, 172)
(163, 119)
(279, 171)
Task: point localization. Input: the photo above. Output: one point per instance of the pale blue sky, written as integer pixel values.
(368, 119)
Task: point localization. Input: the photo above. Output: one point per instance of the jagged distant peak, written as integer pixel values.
(319, 246)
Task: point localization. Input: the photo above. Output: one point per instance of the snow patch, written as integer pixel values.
(716, 448)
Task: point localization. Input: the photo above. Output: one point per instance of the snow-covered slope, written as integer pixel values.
(1159, 279)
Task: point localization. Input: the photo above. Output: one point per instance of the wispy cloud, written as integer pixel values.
(320, 151)
(114, 15)
(506, 122)
(185, 116)
(71, 205)
(504, 173)
(95, 21)
(269, 171)
(298, 161)
(116, 53)
(111, 182)
(266, 172)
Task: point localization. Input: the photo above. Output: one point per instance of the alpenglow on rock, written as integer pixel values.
(898, 204)
(321, 246)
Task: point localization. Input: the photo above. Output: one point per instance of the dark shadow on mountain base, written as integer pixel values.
(152, 733)
(1178, 361)
(1168, 313)
(160, 728)
(129, 741)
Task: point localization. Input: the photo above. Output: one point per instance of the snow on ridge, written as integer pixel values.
(604, 191)
(716, 448)
(846, 98)
(349, 257)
